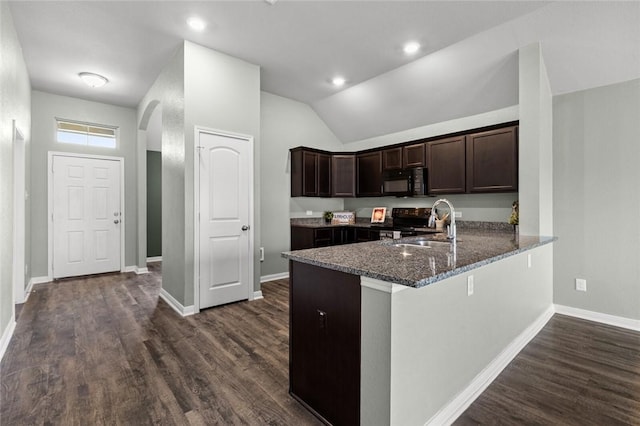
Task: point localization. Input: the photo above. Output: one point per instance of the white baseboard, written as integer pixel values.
(38, 280)
(616, 321)
(257, 295)
(136, 269)
(6, 337)
(450, 412)
(175, 305)
(273, 277)
(154, 259)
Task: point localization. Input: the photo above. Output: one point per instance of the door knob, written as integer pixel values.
(116, 221)
(245, 228)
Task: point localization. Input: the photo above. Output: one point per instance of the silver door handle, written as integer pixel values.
(245, 228)
(116, 221)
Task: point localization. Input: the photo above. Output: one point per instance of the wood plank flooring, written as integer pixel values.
(105, 350)
(574, 372)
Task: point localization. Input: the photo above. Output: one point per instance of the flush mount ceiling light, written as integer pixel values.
(93, 80)
(411, 47)
(271, 2)
(338, 81)
(196, 24)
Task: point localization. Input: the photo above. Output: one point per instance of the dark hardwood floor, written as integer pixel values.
(106, 350)
(574, 372)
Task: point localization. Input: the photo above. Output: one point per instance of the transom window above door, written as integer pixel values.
(78, 133)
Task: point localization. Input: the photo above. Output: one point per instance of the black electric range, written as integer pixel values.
(409, 221)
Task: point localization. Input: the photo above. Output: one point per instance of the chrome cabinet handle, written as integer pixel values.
(245, 228)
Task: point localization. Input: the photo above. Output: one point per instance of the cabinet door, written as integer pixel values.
(446, 166)
(392, 159)
(414, 156)
(301, 238)
(343, 171)
(362, 235)
(492, 160)
(324, 341)
(309, 174)
(323, 237)
(369, 174)
(324, 175)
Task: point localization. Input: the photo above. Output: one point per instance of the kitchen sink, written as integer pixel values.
(423, 244)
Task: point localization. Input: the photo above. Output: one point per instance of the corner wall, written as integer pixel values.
(167, 92)
(535, 144)
(15, 104)
(596, 199)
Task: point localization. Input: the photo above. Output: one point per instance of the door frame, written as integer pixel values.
(196, 210)
(52, 154)
(19, 215)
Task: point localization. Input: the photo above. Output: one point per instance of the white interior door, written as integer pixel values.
(87, 216)
(224, 237)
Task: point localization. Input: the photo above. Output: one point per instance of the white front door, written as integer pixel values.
(87, 216)
(224, 238)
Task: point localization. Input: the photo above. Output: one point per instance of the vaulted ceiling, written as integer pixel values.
(467, 63)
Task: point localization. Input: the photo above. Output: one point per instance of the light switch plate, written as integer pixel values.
(458, 214)
(470, 285)
(309, 212)
(581, 284)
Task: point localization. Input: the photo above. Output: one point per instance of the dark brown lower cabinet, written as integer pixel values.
(324, 342)
(303, 237)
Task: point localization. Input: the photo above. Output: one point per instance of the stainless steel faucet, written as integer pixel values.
(451, 229)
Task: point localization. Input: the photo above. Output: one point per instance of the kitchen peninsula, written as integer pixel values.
(403, 331)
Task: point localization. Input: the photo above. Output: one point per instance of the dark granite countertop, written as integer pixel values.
(418, 266)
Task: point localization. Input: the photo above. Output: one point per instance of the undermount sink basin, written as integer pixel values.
(423, 243)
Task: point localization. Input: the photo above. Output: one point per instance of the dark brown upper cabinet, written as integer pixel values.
(392, 159)
(414, 156)
(310, 173)
(492, 160)
(343, 175)
(324, 175)
(446, 166)
(369, 174)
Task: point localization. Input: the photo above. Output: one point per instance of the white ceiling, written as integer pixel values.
(300, 45)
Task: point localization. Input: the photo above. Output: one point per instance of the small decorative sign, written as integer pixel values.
(343, 218)
(378, 214)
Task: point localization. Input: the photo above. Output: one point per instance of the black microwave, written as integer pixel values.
(405, 182)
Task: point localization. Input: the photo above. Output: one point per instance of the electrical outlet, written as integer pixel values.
(261, 254)
(529, 260)
(581, 284)
(470, 285)
(458, 214)
(309, 212)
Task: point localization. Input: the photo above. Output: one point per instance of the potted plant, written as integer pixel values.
(515, 215)
(327, 216)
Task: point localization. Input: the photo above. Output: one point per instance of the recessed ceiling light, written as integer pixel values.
(271, 2)
(196, 24)
(411, 47)
(93, 80)
(338, 81)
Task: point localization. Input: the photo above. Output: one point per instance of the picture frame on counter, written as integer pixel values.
(343, 218)
(378, 214)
